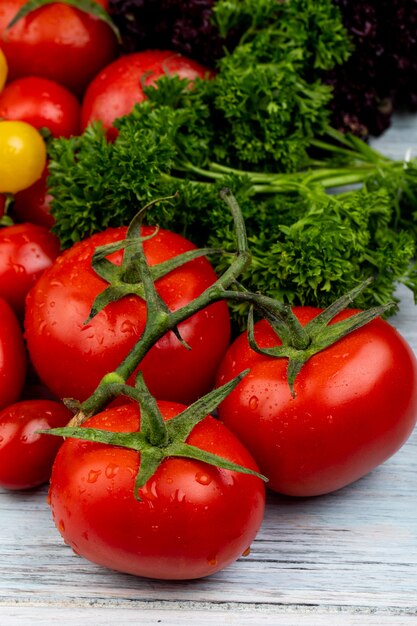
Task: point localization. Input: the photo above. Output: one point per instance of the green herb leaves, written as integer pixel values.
(258, 128)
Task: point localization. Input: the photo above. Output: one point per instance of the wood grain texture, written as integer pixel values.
(347, 558)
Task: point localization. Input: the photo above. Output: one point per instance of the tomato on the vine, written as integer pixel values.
(355, 406)
(43, 103)
(26, 456)
(71, 356)
(12, 356)
(26, 251)
(119, 86)
(56, 41)
(22, 156)
(193, 519)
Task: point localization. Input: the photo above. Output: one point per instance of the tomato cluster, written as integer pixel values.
(352, 406)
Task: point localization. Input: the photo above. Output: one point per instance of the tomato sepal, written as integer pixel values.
(159, 440)
(127, 278)
(300, 343)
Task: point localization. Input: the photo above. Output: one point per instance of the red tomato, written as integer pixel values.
(33, 203)
(194, 519)
(42, 103)
(118, 87)
(355, 406)
(26, 457)
(72, 357)
(26, 250)
(12, 356)
(57, 42)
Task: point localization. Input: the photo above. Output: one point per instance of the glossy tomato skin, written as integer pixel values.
(57, 42)
(118, 87)
(71, 357)
(43, 103)
(355, 406)
(193, 520)
(22, 155)
(26, 457)
(12, 356)
(33, 204)
(26, 250)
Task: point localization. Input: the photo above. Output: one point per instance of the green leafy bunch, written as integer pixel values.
(258, 128)
(267, 98)
(315, 254)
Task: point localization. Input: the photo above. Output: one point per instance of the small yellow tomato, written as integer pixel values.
(3, 69)
(22, 156)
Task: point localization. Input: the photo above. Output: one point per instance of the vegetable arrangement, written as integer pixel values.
(131, 324)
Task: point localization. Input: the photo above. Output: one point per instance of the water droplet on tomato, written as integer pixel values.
(253, 403)
(18, 269)
(212, 560)
(61, 526)
(85, 535)
(111, 470)
(93, 475)
(1, 438)
(128, 327)
(203, 478)
(178, 496)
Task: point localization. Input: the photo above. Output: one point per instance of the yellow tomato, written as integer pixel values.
(22, 156)
(3, 69)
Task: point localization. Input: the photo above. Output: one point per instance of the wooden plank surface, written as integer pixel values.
(346, 558)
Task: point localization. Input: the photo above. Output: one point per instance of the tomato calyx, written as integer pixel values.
(87, 6)
(300, 343)
(158, 439)
(127, 278)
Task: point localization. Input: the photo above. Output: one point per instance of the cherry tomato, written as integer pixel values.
(118, 87)
(26, 457)
(71, 357)
(3, 69)
(26, 250)
(193, 519)
(56, 41)
(42, 103)
(33, 204)
(22, 156)
(12, 356)
(355, 406)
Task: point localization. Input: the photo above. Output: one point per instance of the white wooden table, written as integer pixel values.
(346, 558)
